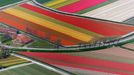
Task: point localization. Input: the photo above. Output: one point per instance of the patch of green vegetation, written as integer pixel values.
(6, 2)
(41, 44)
(4, 38)
(32, 69)
(130, 21)
(43, 1)
(8, 42)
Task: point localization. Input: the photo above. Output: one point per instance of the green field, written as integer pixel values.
(130, 21)
(6, 2)
(32, 69)
(43, 1)
(41, 44)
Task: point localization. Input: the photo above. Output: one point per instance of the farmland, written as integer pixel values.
(71, 5)
(11, 61)
(58, 26)
(31, 26)
(29, 70)
(6, 2)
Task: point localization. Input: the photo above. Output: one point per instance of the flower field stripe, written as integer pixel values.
(83, 61)
(54, 2)
(99, 27)
(95, 7)
(89, 67)
(67, 2)
(39, 31)
(15, 24)
(56, 16)
(102, 56)
(59, 22)
(50, 25)
(81, 5)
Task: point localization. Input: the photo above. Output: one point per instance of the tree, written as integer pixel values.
(4, 52)
(57, 43)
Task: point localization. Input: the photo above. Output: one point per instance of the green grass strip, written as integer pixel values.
(130, 21)
(6, 2)
(41, 44)
(43, 1)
